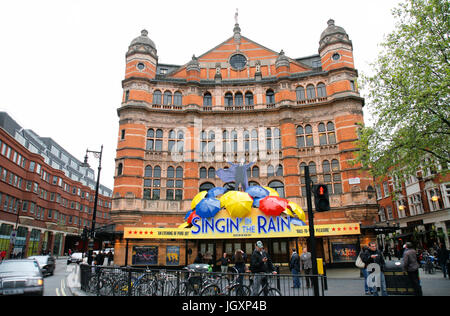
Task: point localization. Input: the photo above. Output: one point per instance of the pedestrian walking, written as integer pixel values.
(442, 255)
(411, 266)
(224, 261)
(367, 290)
(239, 265)
(110, 257)
(306, 266)
(373, 255)
(294, 265)
(260, 264)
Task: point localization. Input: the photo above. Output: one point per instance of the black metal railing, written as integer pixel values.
(137, 281)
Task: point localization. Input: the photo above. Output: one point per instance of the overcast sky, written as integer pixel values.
(62, 62)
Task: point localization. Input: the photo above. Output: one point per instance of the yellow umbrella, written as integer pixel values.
(225, 198)
(295, 209)
(200, 196)
(184, 225)
(272, 192)
(238, 204)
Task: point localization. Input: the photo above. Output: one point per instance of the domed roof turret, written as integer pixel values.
(142, 44)
(333, 34)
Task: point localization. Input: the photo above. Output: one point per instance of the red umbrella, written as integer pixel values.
(273, 205)
(191, 217)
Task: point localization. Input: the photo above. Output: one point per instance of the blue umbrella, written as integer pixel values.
(187, 215)
(257, 193)
(208, 207)
(215, 192)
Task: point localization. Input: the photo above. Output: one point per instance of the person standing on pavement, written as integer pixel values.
(294, 265)
(306, 266)
(411, 266)
(260, 264)
(373, 255)
(365, 274)
(442, 255)
(224, 261)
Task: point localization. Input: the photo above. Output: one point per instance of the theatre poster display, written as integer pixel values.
(145, 255)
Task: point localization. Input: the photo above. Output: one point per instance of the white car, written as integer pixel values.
(76, 257)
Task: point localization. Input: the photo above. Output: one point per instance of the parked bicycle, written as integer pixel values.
(233, 288)
(267, 289)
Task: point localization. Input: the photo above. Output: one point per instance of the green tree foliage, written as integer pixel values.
(408, 95)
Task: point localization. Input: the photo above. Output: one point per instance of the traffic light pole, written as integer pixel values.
(312, 239)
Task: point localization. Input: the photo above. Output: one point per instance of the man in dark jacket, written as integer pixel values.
(260, 264)
(442, 255)
(294, 265)
(411, 266)
(370, 257)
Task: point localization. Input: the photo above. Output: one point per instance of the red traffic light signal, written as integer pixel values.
(321, 199)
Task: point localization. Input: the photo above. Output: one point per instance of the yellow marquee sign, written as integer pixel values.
(229, 228)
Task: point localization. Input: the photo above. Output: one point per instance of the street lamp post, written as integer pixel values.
(97, 154)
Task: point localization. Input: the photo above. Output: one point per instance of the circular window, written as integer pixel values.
(336, 56)
(140, 66)
(238, 61)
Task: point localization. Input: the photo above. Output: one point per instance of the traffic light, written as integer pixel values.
(321, 198)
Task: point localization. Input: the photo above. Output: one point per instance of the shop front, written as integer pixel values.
(212, 237)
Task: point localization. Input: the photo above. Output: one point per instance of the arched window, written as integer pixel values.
(148, 172)
(157, 172)
(330, 133)
(277, 138)
(279, 172)
(211, 173)
(203, 173)
(238, 99)
(255, 172)
(158, 140)
(254, 140)
(225, 142)
(179, 172)
(300, 133)
(277, 186)
(300, 92)
(228, 99)
(157, 97)
(119, 169)
(152, 183)
(321, 90)
(177, 98)
(270, 171)
(310, 92)
(206, 186)
(249, 98)
(234, 139)
(269, 139)
(253, 183)
(174, 186)
(246, 141)
(172, 140)
(309, 136)
(207, 99)
(167, 98)
(332, 176)
(170, 172)
(270, 97)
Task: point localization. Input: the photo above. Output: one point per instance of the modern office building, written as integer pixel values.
(239, 101)
(46, 197)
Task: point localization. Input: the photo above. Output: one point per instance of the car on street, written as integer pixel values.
(21, 276)
(76, 257)
(47, 263)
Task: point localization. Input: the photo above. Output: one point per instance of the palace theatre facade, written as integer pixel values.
(179, 124)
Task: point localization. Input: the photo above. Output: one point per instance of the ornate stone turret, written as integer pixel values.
(142, 44)
(141, 57)
(282, 65)
(193, 69)
(333, 34)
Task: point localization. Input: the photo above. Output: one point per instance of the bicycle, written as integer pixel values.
(100, 282)
(233, 288)
(266, 290)
(139, 286)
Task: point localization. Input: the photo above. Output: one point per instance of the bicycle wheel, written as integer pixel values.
(211, 290)
(273, 292)
(239, 290)
(120, 288)
(183, 289)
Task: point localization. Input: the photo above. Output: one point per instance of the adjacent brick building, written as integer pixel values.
(240, 100)
(45, 196)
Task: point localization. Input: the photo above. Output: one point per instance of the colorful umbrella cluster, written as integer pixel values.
(207, 204)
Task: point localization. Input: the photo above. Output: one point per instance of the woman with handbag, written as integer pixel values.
(360, 264)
